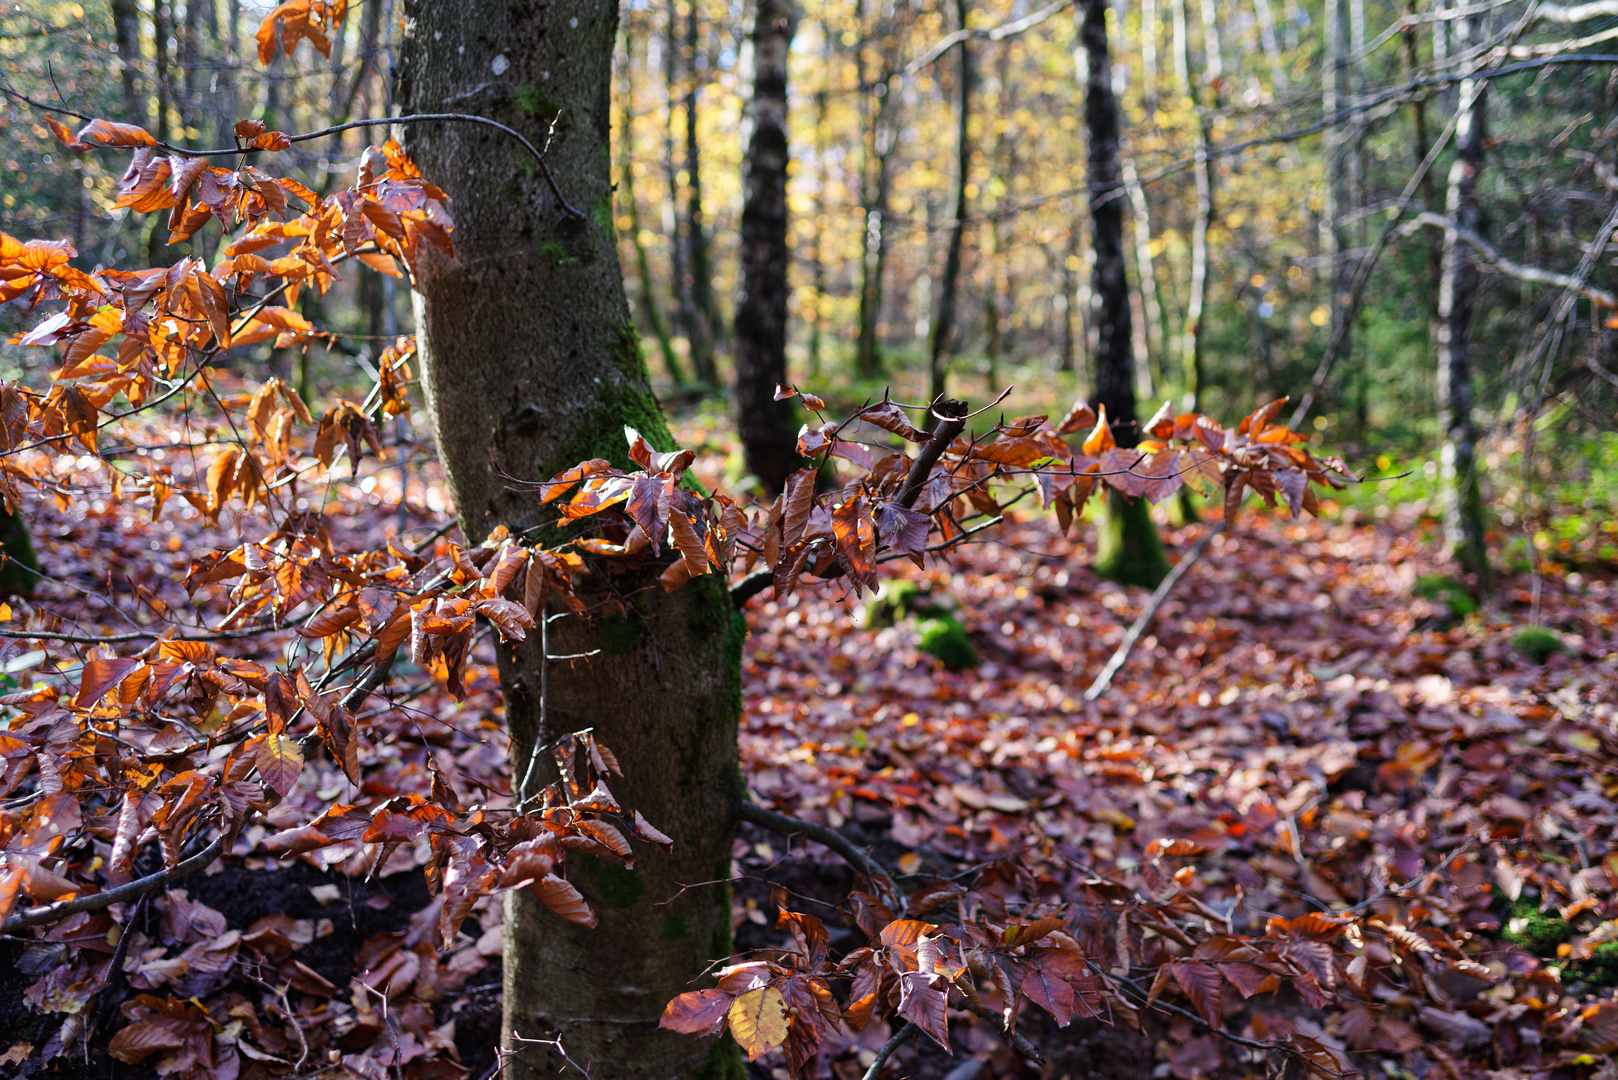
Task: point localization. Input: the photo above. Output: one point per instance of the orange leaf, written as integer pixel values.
(108, 133)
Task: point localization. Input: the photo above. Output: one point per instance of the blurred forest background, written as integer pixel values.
(1370, 206)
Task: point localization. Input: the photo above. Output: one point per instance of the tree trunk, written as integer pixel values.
(1157, 327)
(1272, 50)
(766, 426)
(1336, 146)
(673, 222)
(817, 316)
(704, 325)
(1457, 288)
(530, 365)
(126, 31)
(643, 268)
(157, 231)
(1191, 335)
(1148, 57)
(1127, 548)
(877, 143)
(938, 338)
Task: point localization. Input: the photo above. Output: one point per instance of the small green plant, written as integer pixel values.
(1448, 591)
(901, 599)
(1538, 932)
(1537, 643)
(947, 640)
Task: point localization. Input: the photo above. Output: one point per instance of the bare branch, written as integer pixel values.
(105, 899)
(1510, 267)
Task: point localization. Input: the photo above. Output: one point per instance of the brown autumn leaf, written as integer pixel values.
(698, 1012)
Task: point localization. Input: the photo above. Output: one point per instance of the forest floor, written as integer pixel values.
(1331, 738)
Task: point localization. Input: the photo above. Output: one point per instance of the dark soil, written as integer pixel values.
(244, 896)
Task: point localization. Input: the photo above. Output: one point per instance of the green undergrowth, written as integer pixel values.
(1537, 643)
(1448, 591)
(941, 634)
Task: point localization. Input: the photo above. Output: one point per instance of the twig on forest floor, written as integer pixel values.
(1126, 646)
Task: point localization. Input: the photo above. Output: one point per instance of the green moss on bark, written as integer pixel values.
(724, 1061)
(619, 886)
(1128, 549)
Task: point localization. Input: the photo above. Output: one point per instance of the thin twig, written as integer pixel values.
(1121, 654)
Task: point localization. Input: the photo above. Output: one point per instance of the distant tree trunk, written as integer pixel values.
(1157, 326)
(877, 144)
(704, 325)
(649, 303)
(1418, 117)
(1272, 50)
(1457, 288)
(817, 316)
(673, 220)
(1071, 327)
(1335, 149)
(1148, 57)
(126, 31)
(189, 68)
(1191, 336)
(157, 232)
(1127, 548)
(766, 426)
(938, 338)
(530, 364)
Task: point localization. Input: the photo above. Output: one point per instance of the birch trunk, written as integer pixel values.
(1457, 288)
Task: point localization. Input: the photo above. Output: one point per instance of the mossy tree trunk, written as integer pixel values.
(530, 365)
(1127, 546)
(768, 428)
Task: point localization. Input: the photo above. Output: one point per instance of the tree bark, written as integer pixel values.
(1128, 549)
(1457, 288)
(938, 338)
(766, 426)
(530, 365)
